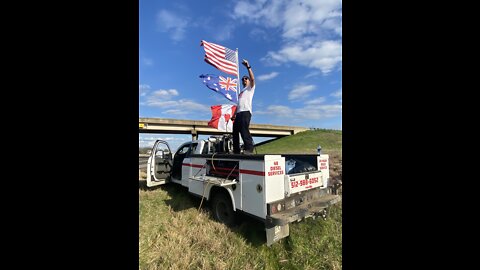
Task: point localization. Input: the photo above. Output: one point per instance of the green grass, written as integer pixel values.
(305, 142)
(174, 234)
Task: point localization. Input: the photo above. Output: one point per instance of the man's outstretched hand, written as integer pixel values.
(245, 63)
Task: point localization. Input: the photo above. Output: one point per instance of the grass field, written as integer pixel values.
(175, 234)
(305, 143)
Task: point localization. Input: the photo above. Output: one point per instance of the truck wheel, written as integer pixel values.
(223, 210)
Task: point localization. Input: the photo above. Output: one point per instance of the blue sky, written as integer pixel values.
(294, 48)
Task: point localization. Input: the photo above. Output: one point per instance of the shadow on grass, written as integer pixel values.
(180, 199)
(142, 185)
(248, 228)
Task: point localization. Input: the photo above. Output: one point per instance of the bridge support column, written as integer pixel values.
(194, 135)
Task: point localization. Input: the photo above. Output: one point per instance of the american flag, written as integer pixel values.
(220, 57)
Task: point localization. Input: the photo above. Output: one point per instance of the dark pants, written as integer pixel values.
(240, 125)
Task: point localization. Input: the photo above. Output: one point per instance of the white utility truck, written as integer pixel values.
(275, 189)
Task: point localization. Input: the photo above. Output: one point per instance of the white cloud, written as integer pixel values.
(334, 24)
(259, 12)
(147, 140)
(277, 110)
(322, 55)
(223, 32)
(313, 74)
(315, 101)
(337, 93)
(155, 102)
(279, 113)
(296, 18)
(258, 33)
(165, 94)
(309, 29)
(143, 89)
(300, 91)
(154, 138)
(175, 106)
(267, 76)
(306, 17)
(318, 112)
(164, 99)
(176, 112)
(189, 105)
(148, 61)
(174, 24)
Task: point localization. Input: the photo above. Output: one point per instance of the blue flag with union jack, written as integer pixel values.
(222, 85)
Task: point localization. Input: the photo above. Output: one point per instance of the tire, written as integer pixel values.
(223, 210)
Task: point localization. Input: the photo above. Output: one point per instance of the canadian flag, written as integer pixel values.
(221, 115)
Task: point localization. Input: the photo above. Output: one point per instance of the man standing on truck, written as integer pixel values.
(244, 113)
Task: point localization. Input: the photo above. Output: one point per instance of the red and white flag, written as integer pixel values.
(221, 117)
(221, 57)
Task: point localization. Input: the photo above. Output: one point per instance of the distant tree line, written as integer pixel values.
(324, 129)
(143, 150)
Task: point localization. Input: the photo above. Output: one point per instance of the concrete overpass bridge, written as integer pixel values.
(195, 128)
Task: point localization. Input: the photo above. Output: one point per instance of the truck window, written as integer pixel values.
(159, 153)
(184, 149)
(194, 148)
(187, 149)
(205, 148)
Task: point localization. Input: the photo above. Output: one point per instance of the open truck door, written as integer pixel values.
(160, 164)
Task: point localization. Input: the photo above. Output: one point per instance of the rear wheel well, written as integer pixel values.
(222, 206)
(215, 190)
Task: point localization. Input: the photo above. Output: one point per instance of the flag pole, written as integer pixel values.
(238, 75)
(238, 84)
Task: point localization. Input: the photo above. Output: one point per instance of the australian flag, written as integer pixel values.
(223, 85)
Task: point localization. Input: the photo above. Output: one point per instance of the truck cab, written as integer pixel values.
(166, 167)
